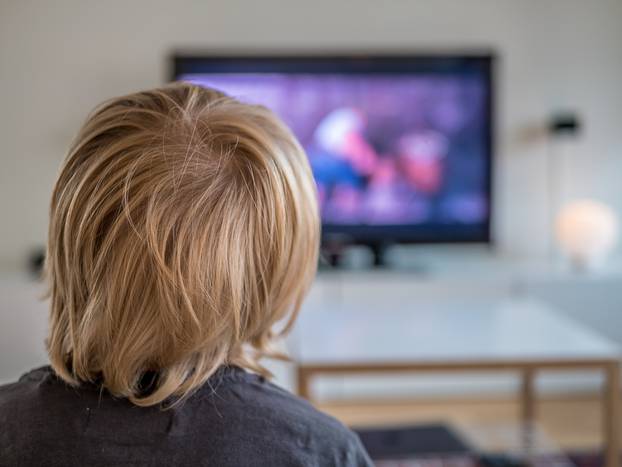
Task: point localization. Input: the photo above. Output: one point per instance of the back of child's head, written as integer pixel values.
(183, 227)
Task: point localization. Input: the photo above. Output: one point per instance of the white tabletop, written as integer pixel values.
(488, 331)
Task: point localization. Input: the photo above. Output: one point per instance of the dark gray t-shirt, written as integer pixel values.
(236, 419)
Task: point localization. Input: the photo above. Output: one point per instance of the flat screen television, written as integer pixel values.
(400, 145)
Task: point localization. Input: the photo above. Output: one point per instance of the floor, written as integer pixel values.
(568, 422)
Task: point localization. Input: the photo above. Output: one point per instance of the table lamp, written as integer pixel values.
(586, 232)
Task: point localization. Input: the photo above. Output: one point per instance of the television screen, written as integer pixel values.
(400, 147)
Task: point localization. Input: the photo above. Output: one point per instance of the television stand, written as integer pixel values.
(333, 253)
(379, 250)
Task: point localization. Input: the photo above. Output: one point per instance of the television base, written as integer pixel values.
(379, 250)
(333, 255)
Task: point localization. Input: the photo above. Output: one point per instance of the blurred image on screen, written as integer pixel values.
(385, 149)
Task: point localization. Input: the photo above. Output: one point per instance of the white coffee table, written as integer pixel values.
(507, 335)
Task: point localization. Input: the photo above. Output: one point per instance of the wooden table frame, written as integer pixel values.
(527, 370)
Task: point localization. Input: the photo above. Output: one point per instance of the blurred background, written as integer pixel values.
(480, 336)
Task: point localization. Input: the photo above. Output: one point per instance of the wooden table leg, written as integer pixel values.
(611, 415)
(528, 410)
(528, 407)
(302, 382)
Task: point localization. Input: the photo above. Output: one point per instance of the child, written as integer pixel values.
(183, 228)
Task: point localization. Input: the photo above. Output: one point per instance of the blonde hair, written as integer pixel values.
(183, 227)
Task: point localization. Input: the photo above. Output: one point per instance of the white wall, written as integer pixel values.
(58, 59)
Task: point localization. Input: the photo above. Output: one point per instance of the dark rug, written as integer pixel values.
(438, 445)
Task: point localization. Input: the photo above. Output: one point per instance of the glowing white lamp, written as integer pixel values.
(586, 231)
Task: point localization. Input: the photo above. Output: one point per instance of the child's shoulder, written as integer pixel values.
(279, 414)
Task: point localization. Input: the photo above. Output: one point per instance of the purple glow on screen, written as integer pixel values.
(384, 149)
